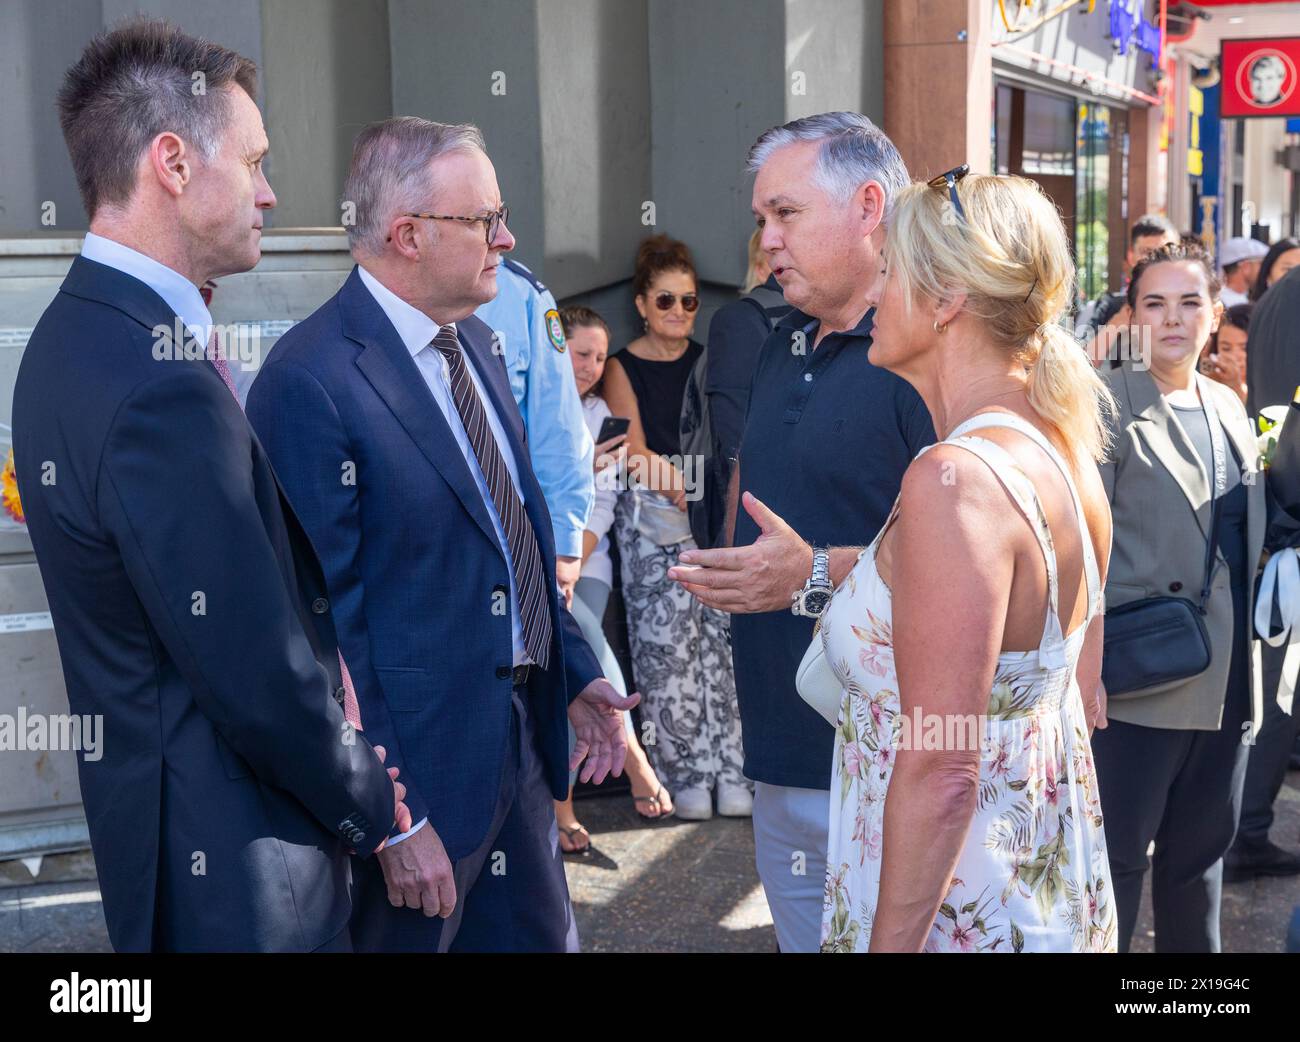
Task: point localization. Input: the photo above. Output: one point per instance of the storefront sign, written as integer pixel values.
(1260, 78)
(1128, 25)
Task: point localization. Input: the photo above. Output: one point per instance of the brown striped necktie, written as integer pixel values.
(530, 577)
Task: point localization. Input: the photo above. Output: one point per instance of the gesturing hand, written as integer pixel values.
(602, 742)
(760, 577)
(418, 874)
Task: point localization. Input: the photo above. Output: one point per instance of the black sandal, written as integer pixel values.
(656, 804)
(571, 832)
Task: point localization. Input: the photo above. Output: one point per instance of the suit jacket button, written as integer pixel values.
(504, 672)
(1175, 587)
(358, 837)
(339, 693)
(320, 606)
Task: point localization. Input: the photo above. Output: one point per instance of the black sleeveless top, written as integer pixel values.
(659, 388)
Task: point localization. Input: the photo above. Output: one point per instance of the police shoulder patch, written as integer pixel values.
(555, 330)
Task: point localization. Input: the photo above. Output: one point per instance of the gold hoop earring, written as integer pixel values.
(940, 328)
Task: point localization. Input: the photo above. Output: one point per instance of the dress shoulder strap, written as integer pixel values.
(1091, 571)
(1051, 647)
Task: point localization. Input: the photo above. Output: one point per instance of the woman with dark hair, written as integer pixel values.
(1224, 357)
(587, 337)
(681, 653)
(1189, 518)
(1281, 257)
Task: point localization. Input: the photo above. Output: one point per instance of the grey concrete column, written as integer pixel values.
(39, 39)
(326, 76)
(478, 63)
(717, 76)
(594, 84)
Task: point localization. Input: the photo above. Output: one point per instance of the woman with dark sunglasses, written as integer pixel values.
(681, 654)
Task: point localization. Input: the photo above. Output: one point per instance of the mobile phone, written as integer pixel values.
(612, 427)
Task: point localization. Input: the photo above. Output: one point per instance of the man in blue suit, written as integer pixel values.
(230, 788)
(390, 420)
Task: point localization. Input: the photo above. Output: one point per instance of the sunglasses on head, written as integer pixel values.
(949, 180)
(664, 301)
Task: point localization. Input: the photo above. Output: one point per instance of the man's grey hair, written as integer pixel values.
(390, 172)
(854, 151)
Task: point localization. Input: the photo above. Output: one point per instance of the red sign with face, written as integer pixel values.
(1260, 77)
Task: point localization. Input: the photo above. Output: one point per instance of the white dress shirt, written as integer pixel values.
(178, 292)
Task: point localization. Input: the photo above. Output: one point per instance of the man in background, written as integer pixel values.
(1240, 258)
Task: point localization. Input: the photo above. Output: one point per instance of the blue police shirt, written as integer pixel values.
(827, 438)
(531, 340)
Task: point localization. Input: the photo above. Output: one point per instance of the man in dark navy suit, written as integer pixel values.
(189, 607)
(390, 420)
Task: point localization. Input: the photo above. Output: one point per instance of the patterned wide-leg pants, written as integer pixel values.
(681, 657)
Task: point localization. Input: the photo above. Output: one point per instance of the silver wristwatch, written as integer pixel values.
(811, 601)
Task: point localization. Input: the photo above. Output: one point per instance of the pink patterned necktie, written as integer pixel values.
(221, 365)
(351, 711)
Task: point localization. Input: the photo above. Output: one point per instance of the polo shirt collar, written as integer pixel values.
(796, 319)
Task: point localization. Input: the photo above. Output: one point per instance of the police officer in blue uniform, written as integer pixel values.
(530, 339)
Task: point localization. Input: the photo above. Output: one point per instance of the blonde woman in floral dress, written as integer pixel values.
(964, 810)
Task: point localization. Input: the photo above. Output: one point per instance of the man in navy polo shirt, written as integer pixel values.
(827, 439)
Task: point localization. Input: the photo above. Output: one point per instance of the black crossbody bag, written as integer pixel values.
(1159, 640)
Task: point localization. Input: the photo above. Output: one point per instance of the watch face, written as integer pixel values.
(815, 601)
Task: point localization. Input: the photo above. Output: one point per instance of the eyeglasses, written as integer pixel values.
(493, 220)
(664, 301)
(949, 180)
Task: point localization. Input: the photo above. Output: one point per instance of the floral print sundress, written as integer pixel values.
(1033, 874)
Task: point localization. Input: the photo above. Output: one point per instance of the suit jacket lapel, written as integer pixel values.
(90, 280)
(1168, 442)
(392, 372)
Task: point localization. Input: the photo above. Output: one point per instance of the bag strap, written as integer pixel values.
(1211, 545)
(1217, 483)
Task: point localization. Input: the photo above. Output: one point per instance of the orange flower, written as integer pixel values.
(9, 490)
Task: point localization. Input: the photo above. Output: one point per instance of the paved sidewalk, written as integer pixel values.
(671, 887)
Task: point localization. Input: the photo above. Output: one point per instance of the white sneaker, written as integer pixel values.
(735, 801)
(694, 804)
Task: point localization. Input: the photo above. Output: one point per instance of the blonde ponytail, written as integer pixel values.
(1067, 392)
